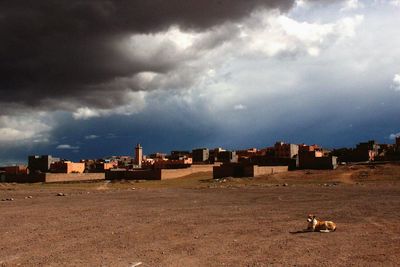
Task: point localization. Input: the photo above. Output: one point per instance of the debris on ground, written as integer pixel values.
(61, 195)
(330, 184)
(7, 199)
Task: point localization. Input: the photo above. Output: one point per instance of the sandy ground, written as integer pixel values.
(201, 222)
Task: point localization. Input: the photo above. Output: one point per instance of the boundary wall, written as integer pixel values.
(158, 174)
(239, 170)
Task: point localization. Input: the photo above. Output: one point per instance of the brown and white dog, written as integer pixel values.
(320, 226)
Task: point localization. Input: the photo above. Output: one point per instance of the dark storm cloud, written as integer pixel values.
(54, 52)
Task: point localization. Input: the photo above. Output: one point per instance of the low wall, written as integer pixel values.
(53, 177)
(239, 170)
(158, 174)
(69, 177)
(166, 174)
(10, 178)
(265, 170)
(149, 174)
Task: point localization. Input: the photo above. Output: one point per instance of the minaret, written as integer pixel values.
(138, 155)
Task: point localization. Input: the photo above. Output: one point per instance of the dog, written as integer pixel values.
(315, 225)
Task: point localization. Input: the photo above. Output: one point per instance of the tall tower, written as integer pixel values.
(138, 155)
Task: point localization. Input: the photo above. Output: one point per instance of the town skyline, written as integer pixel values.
(132, 151)
(99, 76)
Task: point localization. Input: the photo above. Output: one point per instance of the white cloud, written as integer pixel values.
(351, 5)
(394, 136)
(301, 3)
(281, 34)
(25, 127)
(194, 54)
(10, 134)
(135, 103)
(92, 136)
(396, 82)
(395, 3)
(240, 107)
(67, 147)
(85, 113)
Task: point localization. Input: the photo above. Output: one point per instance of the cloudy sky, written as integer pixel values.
(87, 79)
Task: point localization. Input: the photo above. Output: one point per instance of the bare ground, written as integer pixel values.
(196, 221)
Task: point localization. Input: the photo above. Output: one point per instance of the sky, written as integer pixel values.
(90, 79)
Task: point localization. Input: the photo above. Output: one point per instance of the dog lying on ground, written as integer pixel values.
(315, 225)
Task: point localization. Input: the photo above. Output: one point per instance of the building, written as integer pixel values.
(172, 163)
(2, 176)
(366, 151)
(157, 155)
(67, 167)
(370, 145)
(227, 156)
(213, 154)
(201, 155)
(13, 173)
(283, 150)
(248, 153)
(15, 170)
(398, 142)
(99, 165)
(138, 155)
(308, 148)
(40, 163)
(179, 155)
(316, 160)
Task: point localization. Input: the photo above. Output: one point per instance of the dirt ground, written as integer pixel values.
(197, 221)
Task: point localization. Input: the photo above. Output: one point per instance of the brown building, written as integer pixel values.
(366, 151)
(15, 170)
(283, 150)
(201, 155)
(309, 148)
(13, 173)
(172, 163)
(248, 153)
(316, 160)
(67, 167)
(40, 163)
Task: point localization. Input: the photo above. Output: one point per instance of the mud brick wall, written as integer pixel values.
(133, 175)
(68, 177)
(237, 170)
(265, 170)
(166, 174)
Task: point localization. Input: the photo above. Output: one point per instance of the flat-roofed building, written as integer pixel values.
(40, 163)
(201, 155)
(67, 167)
(283, 150)
(316, 160)
(15, 170)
